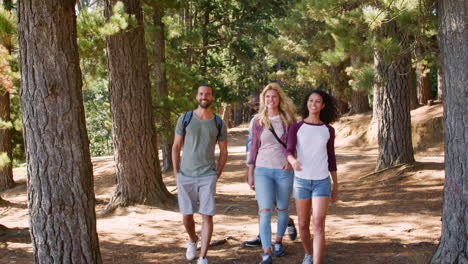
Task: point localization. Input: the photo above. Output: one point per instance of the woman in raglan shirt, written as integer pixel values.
(270, 174)
(311, 152)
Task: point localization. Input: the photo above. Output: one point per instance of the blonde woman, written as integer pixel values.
(273, 174)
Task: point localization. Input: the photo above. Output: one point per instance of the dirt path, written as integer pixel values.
(390, 218)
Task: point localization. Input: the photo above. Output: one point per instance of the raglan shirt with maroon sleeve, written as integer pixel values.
(314, 146)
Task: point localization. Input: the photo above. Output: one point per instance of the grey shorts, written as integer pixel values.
(196, 194)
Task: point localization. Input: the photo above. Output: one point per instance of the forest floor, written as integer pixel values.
(392, 217)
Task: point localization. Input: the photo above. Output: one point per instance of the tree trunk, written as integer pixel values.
(424, 87)
(440, 79)
(453, 246)
(376, 103)
(227, 115)
(338, 85)
(6, 172)
(413, 92)
(6, 146)
(359, 102)
(236, 114)
(422, 76)
(164, 118)
(341, 105)
(359, 99)
(60, 177)
(188, 28)
(394, 119)
(138, 171)
(205, 37)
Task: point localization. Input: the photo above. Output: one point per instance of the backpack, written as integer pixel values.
(188, 117)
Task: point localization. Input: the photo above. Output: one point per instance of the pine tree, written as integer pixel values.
(453, 246)
(139, 178)
(394, 119)
(7, 31)
(60, 176)
(163, 116)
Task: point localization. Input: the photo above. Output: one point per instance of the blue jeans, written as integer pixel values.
(272, 185)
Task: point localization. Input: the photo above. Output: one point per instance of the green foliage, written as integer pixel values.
(228, 52)
(98, 118)
(118, 22)
(4, 160)
(5, 124)
(92, 28)
(93, 61)
(333, 57)
(389, 47)
(374, 17)
(10, 80)
(7, 22)
(322, 36)
(327, 44)
(361, 76)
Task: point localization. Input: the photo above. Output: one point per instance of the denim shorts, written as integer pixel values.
(306, 189)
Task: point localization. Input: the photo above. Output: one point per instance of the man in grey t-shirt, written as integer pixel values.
(197, 174)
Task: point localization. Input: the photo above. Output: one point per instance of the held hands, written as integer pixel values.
(250, 181)
(287, 166)
(297, 165)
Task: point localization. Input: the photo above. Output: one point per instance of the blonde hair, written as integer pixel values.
(286, 106)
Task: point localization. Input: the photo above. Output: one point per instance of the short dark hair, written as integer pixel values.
(328, 114)
(255, 93)
(207, 85)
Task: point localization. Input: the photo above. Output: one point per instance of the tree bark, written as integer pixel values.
(236, 113)
(164, 118)
(227, 115)
(394, 119)
(440, 79)
(6, 172)
(341, 105)
(60, 177)
(359, 102)
(359, 99)
(424, 87)
(139, 178)
(338, 85)
(6, 146)
(413, 92)
(188, 28)
(376, 103)
(422, 76)
(453, 245)
(205, 38)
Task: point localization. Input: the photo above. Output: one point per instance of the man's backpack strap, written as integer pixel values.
(187, 119)
(219, 124)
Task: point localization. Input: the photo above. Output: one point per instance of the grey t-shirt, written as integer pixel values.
(198, 159)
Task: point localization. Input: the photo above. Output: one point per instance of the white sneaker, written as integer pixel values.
(191, 250)
(202, 261)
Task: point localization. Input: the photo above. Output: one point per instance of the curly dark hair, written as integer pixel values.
(328, 114)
